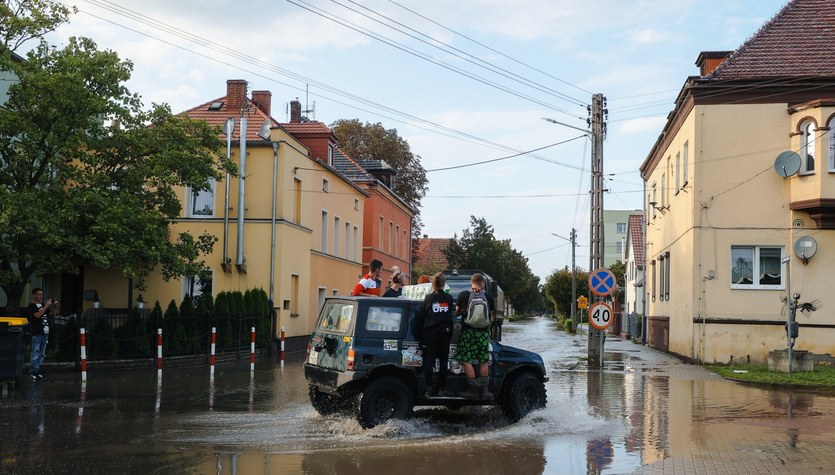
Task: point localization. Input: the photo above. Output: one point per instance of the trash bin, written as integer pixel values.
(12, 346)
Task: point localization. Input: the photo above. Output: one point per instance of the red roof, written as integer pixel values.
(217, 116)
(797, 42)
(306, 128)
(636, 238)
(430, 253)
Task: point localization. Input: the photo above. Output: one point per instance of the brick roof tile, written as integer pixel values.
(797, 42)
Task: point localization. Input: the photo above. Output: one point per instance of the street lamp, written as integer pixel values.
(573, 242)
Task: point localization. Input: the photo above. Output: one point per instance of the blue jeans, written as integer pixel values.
(38, 352)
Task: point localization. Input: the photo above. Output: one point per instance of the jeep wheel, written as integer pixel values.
(526, 393)
(326, 404)
(384, 399)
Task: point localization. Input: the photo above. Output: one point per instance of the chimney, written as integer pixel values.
(295, 111)
(263, 100)
(425, 236)
(708, 61)
(235, 95)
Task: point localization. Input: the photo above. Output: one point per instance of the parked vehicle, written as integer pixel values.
(364, 359)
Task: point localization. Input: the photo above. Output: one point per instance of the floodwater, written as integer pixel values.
(640, 409)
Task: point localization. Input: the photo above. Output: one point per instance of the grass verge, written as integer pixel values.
(823, 376)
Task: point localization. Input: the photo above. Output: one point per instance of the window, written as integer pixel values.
(807, 147)
(356, 243)
(380, 242)
(297, 204)
(405, 244)
(621, 228)
(831, 126)
(664, 190)
(678, 171)
(652, 263)
(347, 240)
(654, 201)
(196, 286)
(756, 267)
(397, 241)
(325, 185)
(356, 204)
(662, 278)
(330, 155)
(686, 164)
(337, 228)
(203, 201)
(391, 237)
(337, 316)
(294, 289)
(384, 319)
(667, 274)
(619, 246)
(324, 245)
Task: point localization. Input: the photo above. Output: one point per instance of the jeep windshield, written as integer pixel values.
(456, 286)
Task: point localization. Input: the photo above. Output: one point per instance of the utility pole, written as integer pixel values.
(598, 133)
(573, 241)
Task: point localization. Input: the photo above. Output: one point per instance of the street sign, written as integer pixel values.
(602, 282)
(582, 302)
(600, 315)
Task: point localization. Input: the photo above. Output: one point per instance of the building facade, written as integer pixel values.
(615, 223)
(723, 222)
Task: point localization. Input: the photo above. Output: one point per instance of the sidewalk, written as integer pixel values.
(750, 440)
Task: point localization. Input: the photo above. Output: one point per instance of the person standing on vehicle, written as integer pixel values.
(474, 343)
(369, 285)
(36, 314)
(396, 288)
(437, 309)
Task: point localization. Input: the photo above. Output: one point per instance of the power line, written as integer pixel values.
(505, 158)
(397, 45)
(427, 125)
(447, 48)
(489, 48)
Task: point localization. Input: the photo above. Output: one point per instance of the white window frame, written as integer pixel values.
(194, 196)
(325, 185)
(620, 228)
(324, 245)
(831, 125)
(807, 147)
(187, 284)
(685, 165)
(756, 268)
(678, 172)
(337, 230)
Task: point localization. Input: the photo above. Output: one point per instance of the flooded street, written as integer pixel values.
(644, 411)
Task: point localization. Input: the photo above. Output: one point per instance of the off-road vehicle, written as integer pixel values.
(364, 359)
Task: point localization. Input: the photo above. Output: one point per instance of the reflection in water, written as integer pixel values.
(80, 417)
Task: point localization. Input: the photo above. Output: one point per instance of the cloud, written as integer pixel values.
(642, 125)
(650, 36)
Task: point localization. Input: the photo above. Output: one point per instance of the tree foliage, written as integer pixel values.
(557, 289)
(477, 248)
(87, 176)
(374, 142)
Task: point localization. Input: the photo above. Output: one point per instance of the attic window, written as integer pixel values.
(215, 106)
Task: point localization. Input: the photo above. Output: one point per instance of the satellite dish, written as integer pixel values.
(787, 164)
(805, 247)
(229, 127)
(264, 131)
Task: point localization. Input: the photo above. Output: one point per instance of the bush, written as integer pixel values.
(102, 341)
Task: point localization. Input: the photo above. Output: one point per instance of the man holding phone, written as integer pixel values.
(36, 314)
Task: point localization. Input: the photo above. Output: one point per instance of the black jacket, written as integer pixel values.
(438, 312)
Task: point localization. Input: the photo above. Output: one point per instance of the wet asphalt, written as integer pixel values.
(643, 412)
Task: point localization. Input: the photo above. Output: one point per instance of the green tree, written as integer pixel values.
(479, 249)
(374, 142)
(87, 175)
(557, 289)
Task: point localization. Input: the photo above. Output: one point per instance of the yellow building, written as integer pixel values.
(291, 224)
(724, 213)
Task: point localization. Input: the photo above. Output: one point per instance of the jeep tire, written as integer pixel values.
(526, 393)
(327, 404)
(383, 399)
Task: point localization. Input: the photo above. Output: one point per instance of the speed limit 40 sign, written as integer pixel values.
(600, 315)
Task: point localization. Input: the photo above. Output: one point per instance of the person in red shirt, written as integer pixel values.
(369, 284)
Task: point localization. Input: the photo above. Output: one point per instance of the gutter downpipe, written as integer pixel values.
(228, 129)
(645, 291)
(239, 262)
(272, 222)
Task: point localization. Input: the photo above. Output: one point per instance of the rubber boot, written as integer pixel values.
(473, 389)
(485, 388)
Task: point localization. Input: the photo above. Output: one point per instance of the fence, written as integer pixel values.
(114, 333)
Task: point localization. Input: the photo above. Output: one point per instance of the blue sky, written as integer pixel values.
(538, 58)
